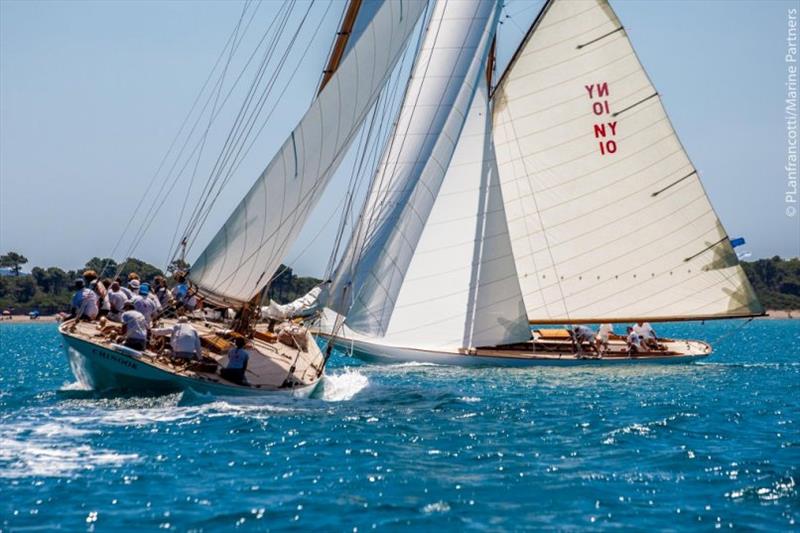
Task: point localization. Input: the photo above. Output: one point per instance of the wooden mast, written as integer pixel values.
(340, 44)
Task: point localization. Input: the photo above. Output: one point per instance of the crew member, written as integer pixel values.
(116, 301)
(237, 363)
(634, 342)
(134, 327)
(184, 339)
(84, 302)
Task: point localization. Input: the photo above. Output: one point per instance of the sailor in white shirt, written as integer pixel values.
(84, 302)
(144, 305)
(647, 334)
(134, 327)
(116, 300)
(582, 334)
(184, 339)
(601, 341)
(634, 341)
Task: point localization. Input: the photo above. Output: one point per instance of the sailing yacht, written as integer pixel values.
(557, 194)
(245, 254)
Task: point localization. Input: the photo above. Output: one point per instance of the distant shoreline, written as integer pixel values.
(773, 314)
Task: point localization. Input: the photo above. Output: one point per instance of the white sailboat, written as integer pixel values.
(246, 252)
(559, 195)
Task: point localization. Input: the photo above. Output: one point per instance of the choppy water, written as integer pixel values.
(711, 445)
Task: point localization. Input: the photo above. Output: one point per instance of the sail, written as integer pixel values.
(447, 71)
(461, 288)
(607, 215)
(243, 255)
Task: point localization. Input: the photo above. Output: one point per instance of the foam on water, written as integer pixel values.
(342, 386)
(413, 446)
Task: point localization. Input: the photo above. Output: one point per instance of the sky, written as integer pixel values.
(93, 93)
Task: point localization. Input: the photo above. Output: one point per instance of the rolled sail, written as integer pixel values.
(244, 254)
(607, 215)
(445, 76)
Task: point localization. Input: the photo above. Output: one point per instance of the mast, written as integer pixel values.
(340, 43)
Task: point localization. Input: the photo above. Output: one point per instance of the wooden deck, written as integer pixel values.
(270, 364)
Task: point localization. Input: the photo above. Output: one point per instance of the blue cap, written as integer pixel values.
(144, 288)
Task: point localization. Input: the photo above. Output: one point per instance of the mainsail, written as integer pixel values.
(608, 218)
(449, 68)
(240, 260)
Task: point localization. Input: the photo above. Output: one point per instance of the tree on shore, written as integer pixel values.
(14, 261)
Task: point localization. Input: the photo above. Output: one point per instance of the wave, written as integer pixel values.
(343, 386)
(52, 449)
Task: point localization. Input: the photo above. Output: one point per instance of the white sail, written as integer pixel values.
(241, 258)
(607, 215)
(448, 69)
(461, 288)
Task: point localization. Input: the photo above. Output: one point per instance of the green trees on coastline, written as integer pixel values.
(50, 289)
(14, 261)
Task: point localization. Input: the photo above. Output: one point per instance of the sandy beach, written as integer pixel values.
(25, 319)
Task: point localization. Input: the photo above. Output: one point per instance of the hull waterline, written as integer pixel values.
(378, 353)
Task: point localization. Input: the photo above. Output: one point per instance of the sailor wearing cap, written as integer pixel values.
(141, 302)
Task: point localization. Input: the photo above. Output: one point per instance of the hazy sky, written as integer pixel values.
(92, 94)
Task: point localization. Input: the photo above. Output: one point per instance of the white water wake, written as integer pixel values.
(343, 386)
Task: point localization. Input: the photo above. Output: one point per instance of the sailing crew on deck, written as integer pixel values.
(182, 294)
(123, 288)
(647, 334)
(134, 327)
(634, 341)
(116, 301)
(84, 302)
(162, 292)
(184, 339)
(581, 334)
(237, 363)
(141, 302)
(601, 340)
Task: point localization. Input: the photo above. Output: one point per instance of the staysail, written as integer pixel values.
(608, 218)
(397, 220)
(241, 258)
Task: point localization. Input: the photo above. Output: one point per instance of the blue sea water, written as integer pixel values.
(709, 445)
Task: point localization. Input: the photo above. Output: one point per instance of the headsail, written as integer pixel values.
(607, 215)
(449, 68)
(247, 250)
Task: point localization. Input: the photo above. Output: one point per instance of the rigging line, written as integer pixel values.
(301, 205)
(356, 176)
(171, 146)
(280, 96)
(251, 124)
(214, 109)
(236, 128)
(364, 228)
(241, 155)
(153, 210)
(235, 138)
(156, 207)
(227, 97)
(281, 19)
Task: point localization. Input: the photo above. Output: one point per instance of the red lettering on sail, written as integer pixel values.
(600, 108)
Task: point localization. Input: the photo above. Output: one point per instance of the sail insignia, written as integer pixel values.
(607, 215)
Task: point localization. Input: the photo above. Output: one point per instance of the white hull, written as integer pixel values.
(379, 353)
(114, 367)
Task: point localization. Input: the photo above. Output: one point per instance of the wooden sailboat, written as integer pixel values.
(243, 256)
(559, 195)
